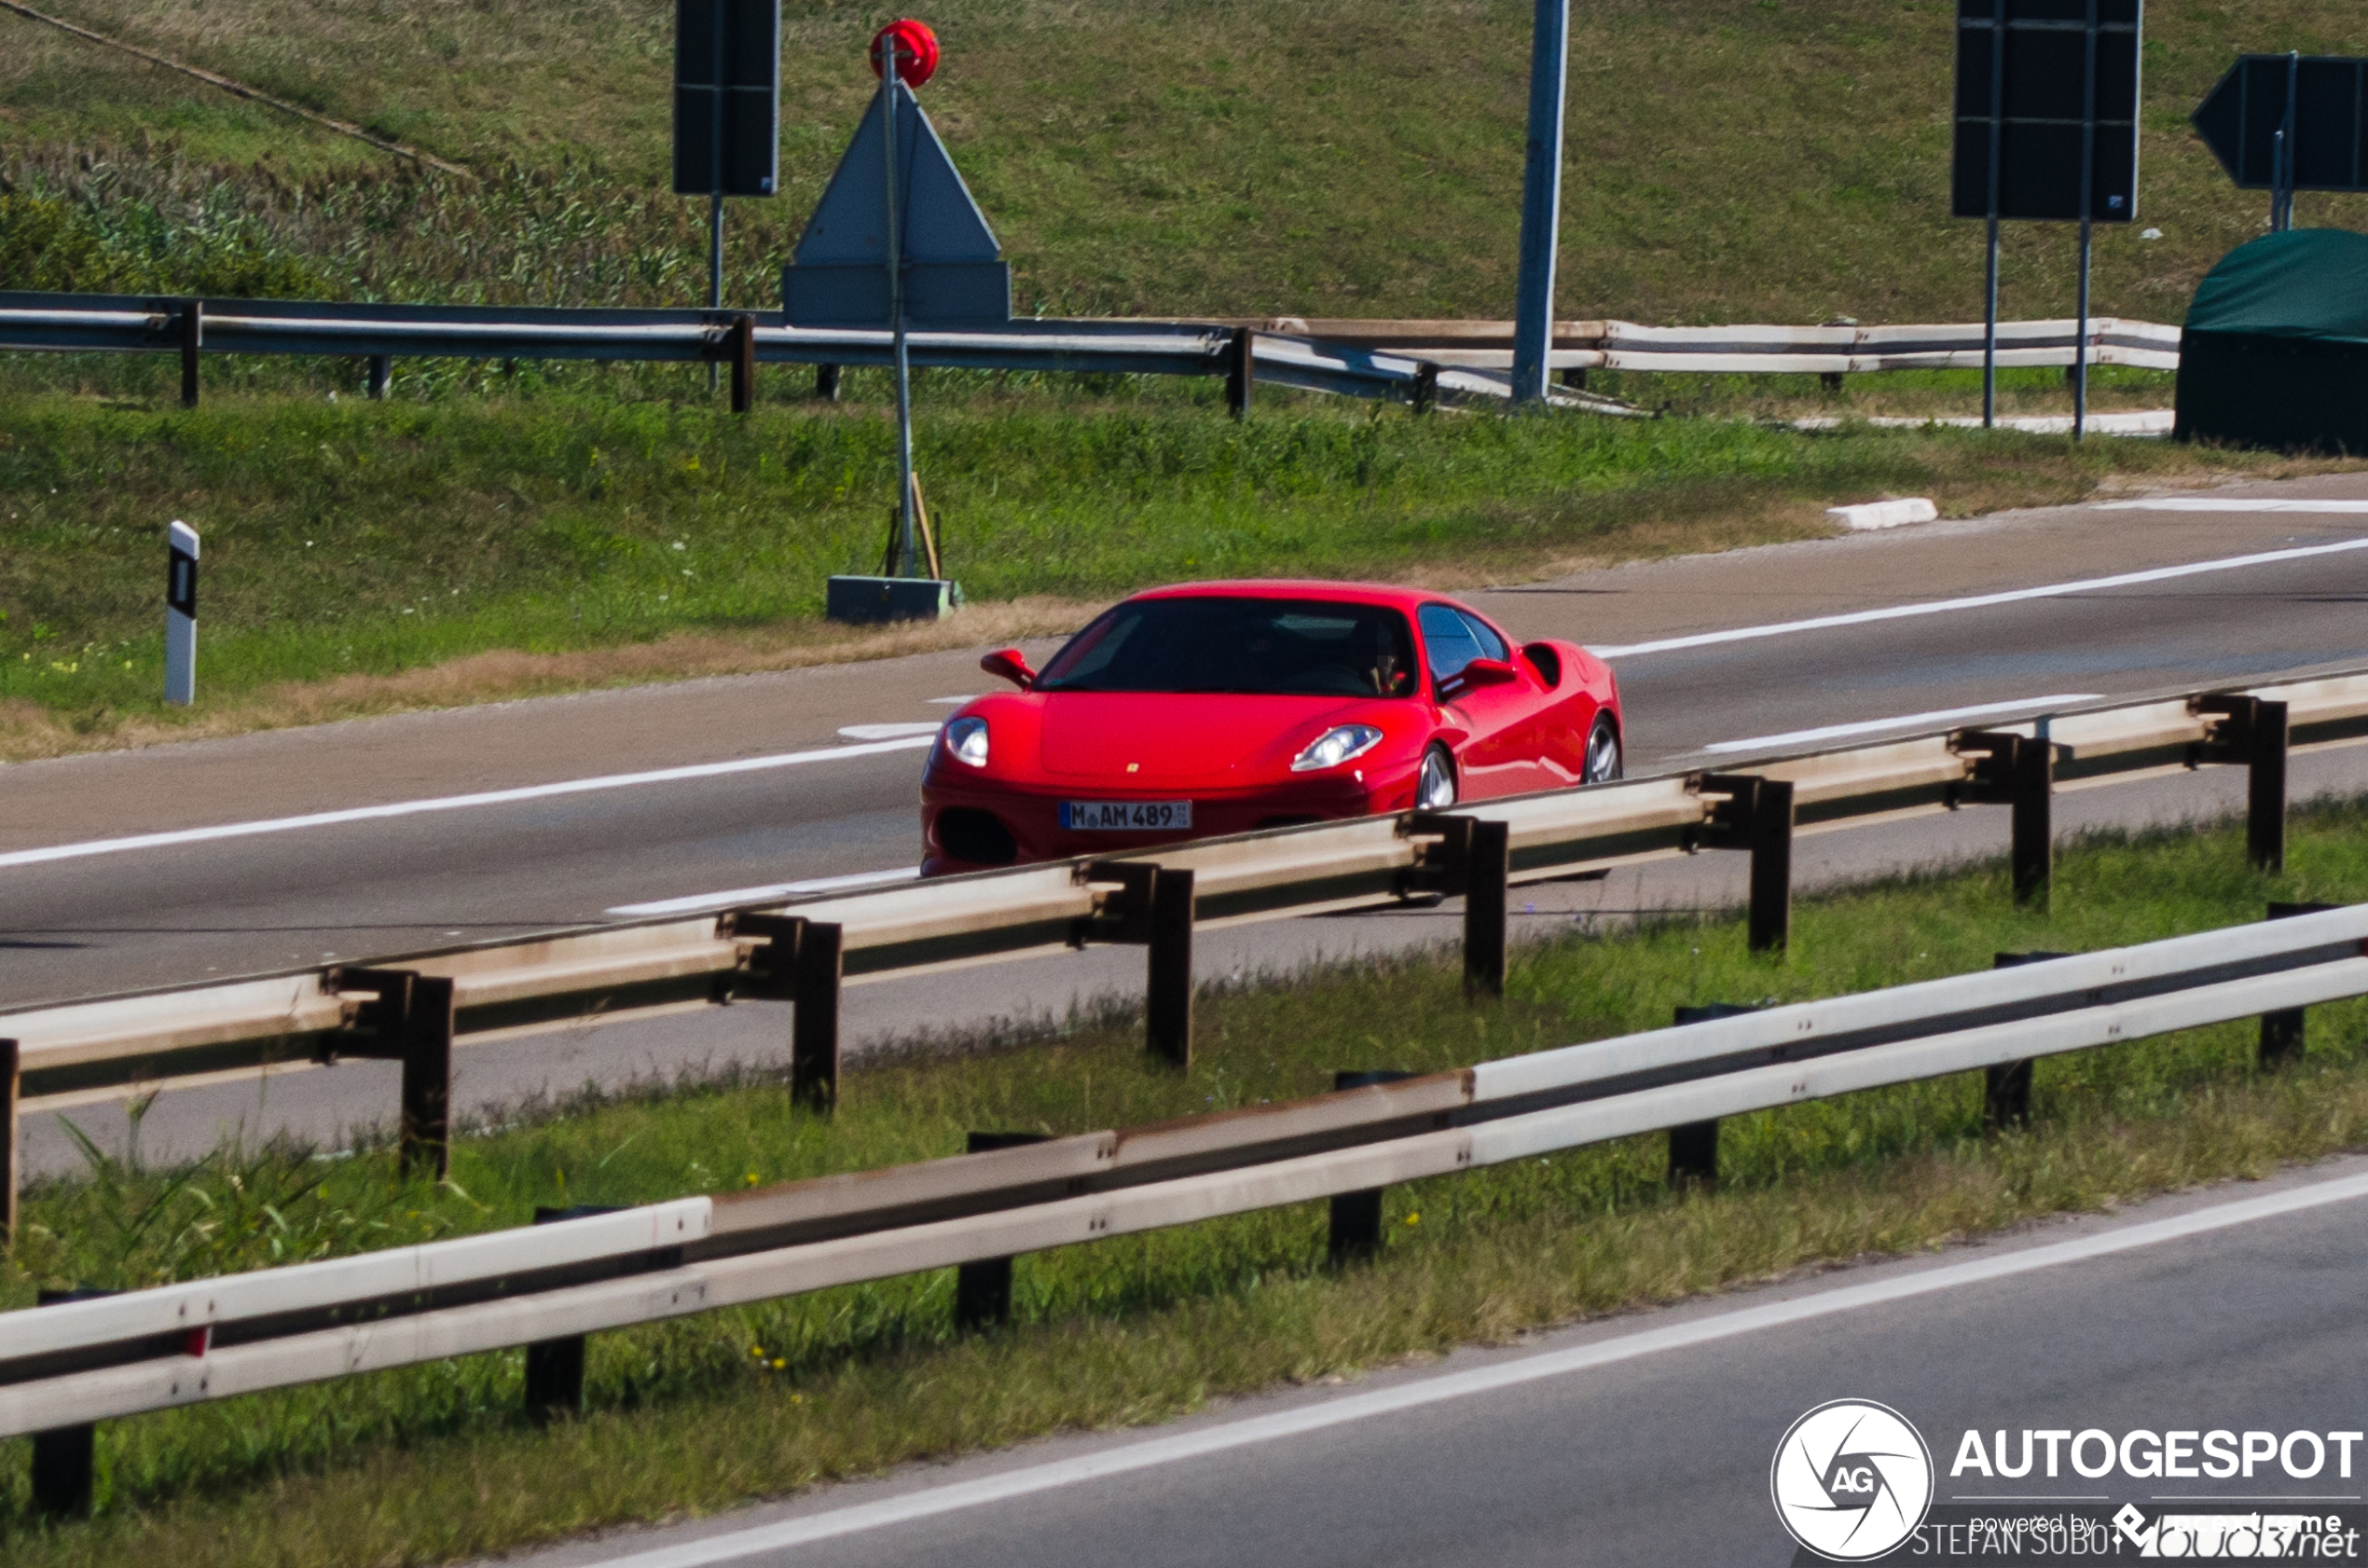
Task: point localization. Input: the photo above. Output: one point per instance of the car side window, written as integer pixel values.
(1490, 645)
(1448, 642)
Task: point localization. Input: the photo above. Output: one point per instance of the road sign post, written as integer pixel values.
(2288, 122)
(1541, 200)
(2046, 130)
(727, 112)
(180, 614)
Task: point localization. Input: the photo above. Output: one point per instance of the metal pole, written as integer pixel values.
(908, 557)
(1541, 200)
(2087, 226)
(715, 267)
(2283, 218)
(1990, 279)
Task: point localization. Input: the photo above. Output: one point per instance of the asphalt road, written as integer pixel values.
(101, 922)
(1648, 1439)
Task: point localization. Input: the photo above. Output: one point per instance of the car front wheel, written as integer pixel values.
(1436, 789)
(1602, 762)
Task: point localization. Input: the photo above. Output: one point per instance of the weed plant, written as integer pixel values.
(435, 1463)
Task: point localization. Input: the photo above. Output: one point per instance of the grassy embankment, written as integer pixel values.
(363, 557)
(1731, 160)
(430, 1464)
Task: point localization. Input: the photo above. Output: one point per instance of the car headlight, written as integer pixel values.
(1335, 746)
(965, 741)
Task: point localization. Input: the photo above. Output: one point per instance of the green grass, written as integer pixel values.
(359, 539)
(433, 1464)
(1728, 160)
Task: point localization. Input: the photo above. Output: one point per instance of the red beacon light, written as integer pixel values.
(915, 49)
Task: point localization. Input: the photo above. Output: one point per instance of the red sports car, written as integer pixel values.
(1220, 708)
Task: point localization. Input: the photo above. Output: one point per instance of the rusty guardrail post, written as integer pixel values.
(2253, 731)
(1473, 861)
(409, 1020)
(554, 1367)
(2018, 772)
(192, 339)
(1426, 392)
(1757, 814)
(983, 1290)
(1355, 1226)
(381, 372)
(826, 383)
(742, 340)
(1151, 906)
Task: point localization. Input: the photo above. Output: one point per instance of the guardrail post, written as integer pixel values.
(1241, 371)
(2281, 1032)
(2254, 732)
(1693, 1146)
(11, 1083)
(1757, 815)
(1152, 906)
(1425, 392)
(192, 339)
(2019, 772)
(743, 345)
(2006, 1100)
(410, 1021)
(826, 382)
(1356, 1229)
(814, 1016)
(64, 1457)
(554, 1367)
(381, 372)
(983, 1289)
(1168, 992)
(1472, 861)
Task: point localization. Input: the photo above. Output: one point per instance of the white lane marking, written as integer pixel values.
(887, 732)
(762, 895)
(455, 803)
(1868, 726)
(2230, 503)
(1980, 601)
(930, 1502)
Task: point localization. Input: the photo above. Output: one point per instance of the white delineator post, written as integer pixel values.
(180, 616)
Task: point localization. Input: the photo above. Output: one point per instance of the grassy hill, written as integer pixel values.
(1730, 159)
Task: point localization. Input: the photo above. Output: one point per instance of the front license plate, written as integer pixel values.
(1124, 816)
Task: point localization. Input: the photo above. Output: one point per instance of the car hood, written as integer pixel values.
(1137, 740)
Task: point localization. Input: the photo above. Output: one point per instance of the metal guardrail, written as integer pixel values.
(1419, 362)
(415, 1006)
(63, 1367)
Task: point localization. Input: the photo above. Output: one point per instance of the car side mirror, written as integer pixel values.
(1486, 672)
(1011, 664)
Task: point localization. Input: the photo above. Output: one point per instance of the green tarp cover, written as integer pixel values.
(2274, 353)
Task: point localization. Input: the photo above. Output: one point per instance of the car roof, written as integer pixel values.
(1390, 594)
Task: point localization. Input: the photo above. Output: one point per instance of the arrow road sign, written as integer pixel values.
(2240, 118)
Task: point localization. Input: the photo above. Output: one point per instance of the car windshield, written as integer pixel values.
(1273, 646)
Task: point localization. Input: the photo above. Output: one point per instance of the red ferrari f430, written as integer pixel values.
(1221, 708)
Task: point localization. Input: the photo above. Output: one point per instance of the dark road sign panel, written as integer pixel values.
(2037, 81)
(2240, 117)
(727, 97)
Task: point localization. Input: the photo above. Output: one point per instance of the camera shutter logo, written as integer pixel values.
(1852, 1479)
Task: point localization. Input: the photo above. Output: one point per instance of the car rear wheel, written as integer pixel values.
(1602, 762)
(1436, 789)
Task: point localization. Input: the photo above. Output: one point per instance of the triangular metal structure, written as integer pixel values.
(954, 269)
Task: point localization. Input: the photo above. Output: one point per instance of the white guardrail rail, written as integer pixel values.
(64, 1367)
(1416, 361)
(414, 1007)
